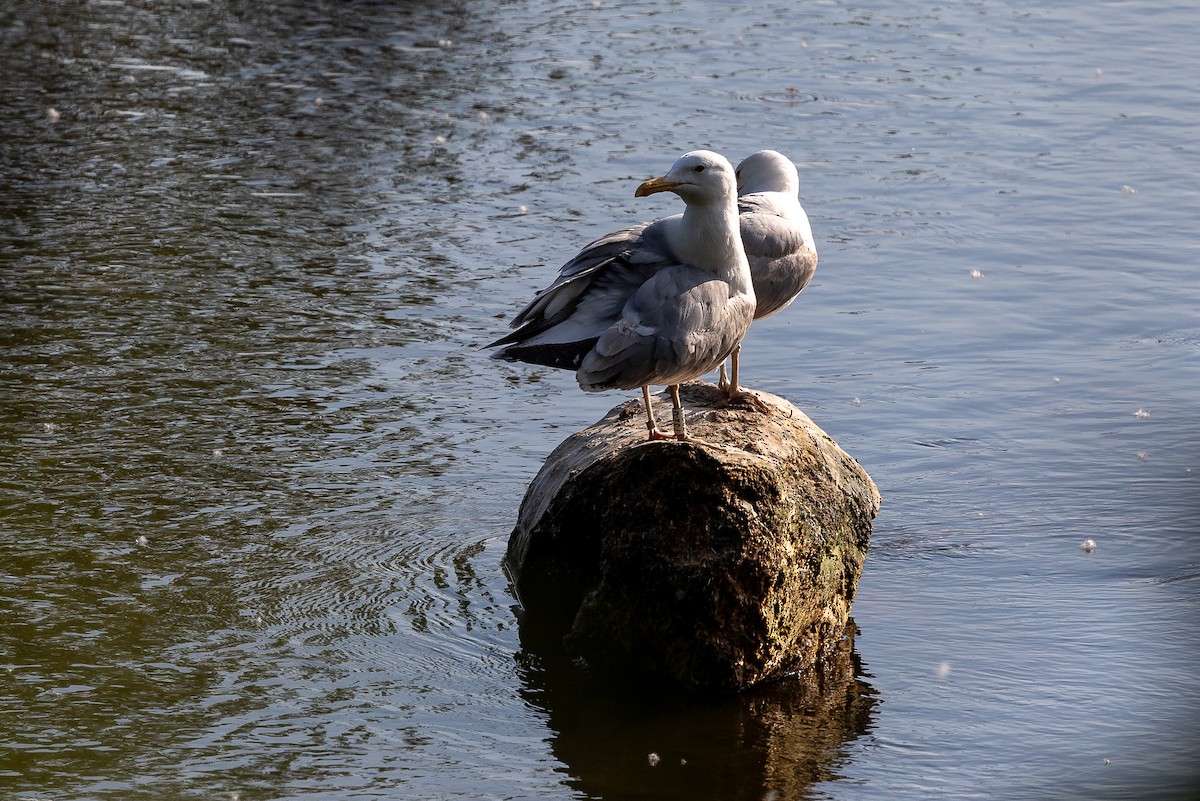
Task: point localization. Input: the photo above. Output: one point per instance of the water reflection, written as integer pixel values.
(621, 740)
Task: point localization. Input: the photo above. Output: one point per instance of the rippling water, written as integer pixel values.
(258, 477)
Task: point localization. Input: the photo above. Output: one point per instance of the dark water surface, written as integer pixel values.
(256, 478)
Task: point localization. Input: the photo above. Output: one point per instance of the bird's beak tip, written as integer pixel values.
(654, 185)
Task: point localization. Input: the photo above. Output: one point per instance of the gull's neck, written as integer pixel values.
(709, 237)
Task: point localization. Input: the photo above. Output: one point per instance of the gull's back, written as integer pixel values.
(564, 321)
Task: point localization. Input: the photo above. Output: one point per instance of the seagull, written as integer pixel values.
(657, 303)
(778, 241)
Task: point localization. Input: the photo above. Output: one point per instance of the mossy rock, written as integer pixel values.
(716, 568)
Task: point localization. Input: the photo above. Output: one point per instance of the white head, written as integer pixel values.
(767, 171)
(699, 177)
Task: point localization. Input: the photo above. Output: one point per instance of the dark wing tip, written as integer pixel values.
(562, 355)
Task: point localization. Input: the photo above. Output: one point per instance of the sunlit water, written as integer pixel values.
(257, 476)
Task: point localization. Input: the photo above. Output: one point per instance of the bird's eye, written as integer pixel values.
(698, 168)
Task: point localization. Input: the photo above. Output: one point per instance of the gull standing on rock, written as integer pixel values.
(661, 303)
(777, 237)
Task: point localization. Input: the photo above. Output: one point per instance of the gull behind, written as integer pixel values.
(777, 238)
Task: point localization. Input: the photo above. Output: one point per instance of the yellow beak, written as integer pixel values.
(655, 185)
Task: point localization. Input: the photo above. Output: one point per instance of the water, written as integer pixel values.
(258, 478)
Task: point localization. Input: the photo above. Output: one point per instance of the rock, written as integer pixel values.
(717, 569)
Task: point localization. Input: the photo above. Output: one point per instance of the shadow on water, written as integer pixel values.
(621, 739)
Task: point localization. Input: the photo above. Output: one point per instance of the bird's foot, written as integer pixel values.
(688, 438)
(737, 394)
(722, 379)
(680, 434)
(658, 434)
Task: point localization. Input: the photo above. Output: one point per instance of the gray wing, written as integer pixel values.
(780, 250)
(680, 324)
(565, 319)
